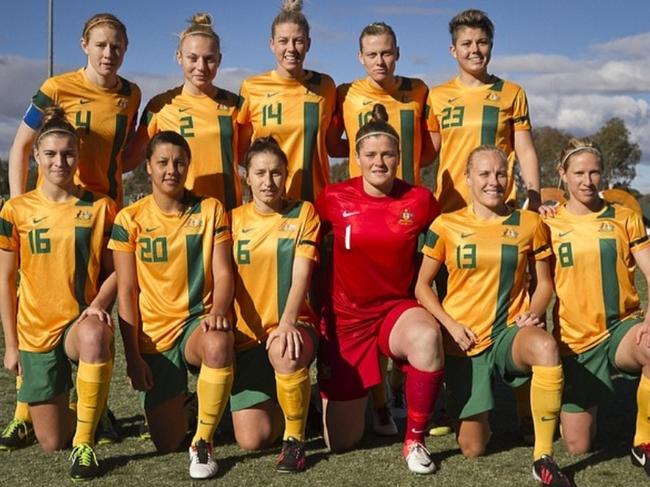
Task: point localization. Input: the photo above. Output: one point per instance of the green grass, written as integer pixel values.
(375, 462)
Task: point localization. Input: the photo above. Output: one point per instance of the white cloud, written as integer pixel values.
(635, 46)
(532, 63)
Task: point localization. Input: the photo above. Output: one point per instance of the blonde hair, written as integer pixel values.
(483, 149)
(376, 29)
(201, 24)
(291, 12)
(575, 145)
(104, 18)
(472, 18)
(54, 122)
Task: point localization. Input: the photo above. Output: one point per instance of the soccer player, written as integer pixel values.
(375, 220)
(291, 104)
(404, 99)
(201, 112)
(175, 288)
(487, 248)
(101, 105)
(477, 108)
(275, 338)
(598, 319)
(62, 314)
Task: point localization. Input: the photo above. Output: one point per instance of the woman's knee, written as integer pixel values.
(217, 348)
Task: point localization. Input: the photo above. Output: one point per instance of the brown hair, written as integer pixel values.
(473, 18)
(480, 150)
(377, 125)
(104, 18)
(264, 145)
(168, 137)
(575, 145)
(291, 12)
(54, 122)
(376, 29)
(200, 24)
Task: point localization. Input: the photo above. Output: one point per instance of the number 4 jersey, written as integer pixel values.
(173, 254)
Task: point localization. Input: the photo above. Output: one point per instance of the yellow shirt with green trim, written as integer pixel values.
(173, 254)
(487, 262)
(60, 247)
(405, 106)
(297, 115)
(467, 117)
(594, 273)
(208, 125)
(104, 118)
(266, 245)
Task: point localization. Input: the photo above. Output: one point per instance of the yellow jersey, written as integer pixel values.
(208, 125)
(297, 114)
(405, 106)
(104, 119)
(467, 117)
(60, 247)
(594, 273)
(173, 255)
(487, 262)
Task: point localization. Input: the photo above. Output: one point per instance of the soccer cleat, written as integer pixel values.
(107, 429)
(143, 432)
(17, 434)
(640, 456)
(202, 464)
(441, 424)
(84, 463)
(418, 458)
(546, 472)
(292, 456)
(383, 423)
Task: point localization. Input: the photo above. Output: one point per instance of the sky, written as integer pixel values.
(581, 62)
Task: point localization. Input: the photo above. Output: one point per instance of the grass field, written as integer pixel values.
(376, 462)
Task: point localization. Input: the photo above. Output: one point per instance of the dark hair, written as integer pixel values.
(200, 24)
(168, 137)
(291, 12)
(473, 18)
(264, 145)
(377, 125)
(104, 18)
(376, 29)
(54, 122)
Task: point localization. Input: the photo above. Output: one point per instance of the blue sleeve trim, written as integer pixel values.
(33, 117)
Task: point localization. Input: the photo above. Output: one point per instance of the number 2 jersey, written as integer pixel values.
(487, 262)
(264, 248)
(60, 247)
(297, 115)
(173, 254)
(594, 273)
(104, 118)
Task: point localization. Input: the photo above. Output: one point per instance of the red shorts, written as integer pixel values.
(348, 354)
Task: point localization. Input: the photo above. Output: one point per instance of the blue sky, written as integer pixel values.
(581, 62)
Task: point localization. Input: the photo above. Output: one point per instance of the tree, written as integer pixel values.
(620, 155)
(549, 142)
(339, 172)
(136, 184)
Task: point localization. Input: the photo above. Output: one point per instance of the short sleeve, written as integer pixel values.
(9, 239)
(123, 234)
(430, 115)
(434, 246)
(309, 238)
(111, 213)
(221, 231)
(636, 232)
(542, 240)
(520, 116)
(243, 115)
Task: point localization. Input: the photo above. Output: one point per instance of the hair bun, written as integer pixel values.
(53, 113)
(292, 5)
(202, 18)
(379, 113)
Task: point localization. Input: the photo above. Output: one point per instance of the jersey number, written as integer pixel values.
(186, 126)
(466, 256)
(364, 118)
(452, 117)
(565, 252)
(243, 254)
(268, 113)
(37, 243)
(83, 122)
(153, 249)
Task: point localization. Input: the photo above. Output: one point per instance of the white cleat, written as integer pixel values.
(202, 464)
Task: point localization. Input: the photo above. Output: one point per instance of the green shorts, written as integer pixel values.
(587, 376)
(254, 379)
(469, 379)
(45, 374)
(169, 370)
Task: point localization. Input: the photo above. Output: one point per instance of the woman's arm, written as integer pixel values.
(244, 136)
(543, 290)
(527, 156)
(134, 153)
(8, 301)
(19, 159)
(642, 259)
(223, 288)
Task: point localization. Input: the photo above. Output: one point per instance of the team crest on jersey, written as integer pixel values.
(606, 227)
(406, 218)
(194, 223)
(492, 96)
(123, 103)
(510, 233)
(288, 227)
(84, 216)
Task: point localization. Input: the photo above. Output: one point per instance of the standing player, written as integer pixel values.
(172, 259)
(478, 108)
(201, 112)
(291, 104)
(375, 220)
(487, 248)
(62, 312)
(275, 337)
(598, 319)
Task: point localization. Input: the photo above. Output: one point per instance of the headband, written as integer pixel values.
(57, 130)
(579, 149)
(377, 132)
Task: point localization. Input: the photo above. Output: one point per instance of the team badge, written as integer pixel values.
(406, 218)
(510, 233)
(83, 215)
(288, 227)
(194, 223)
(606, 227)
(122, 103)
(492, 97)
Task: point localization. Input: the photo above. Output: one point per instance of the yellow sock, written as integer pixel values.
(22, 408)
(379, 394)
(545, 403)
(642, 434)
(93, 382)
(294, 391)
(213, 391)
(522, 399)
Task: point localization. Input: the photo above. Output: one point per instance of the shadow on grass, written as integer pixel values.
(114, 462)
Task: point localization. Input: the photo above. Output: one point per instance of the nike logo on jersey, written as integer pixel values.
(639, 458)
(83, 102)
(350, 213)
(367, 102)
(181, 110)
(451, 100)
(269, 95)
(549, 418)
(562, 234)
(467, 234)
(246, 230)
(151, 229)
(38, 220)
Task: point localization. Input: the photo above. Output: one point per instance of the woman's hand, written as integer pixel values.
(528, 319)
(215, 322)
(462, 335)
(139, 374)
(290, 340)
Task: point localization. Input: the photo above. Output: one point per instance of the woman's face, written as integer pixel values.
(57, 155)
(472, 50)
(168, 167)
(105, 49)
(378, 158)
(379, 56)
(289, 45)
(582, 177)
(266, 176)
(487, 180)
(199, 58)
